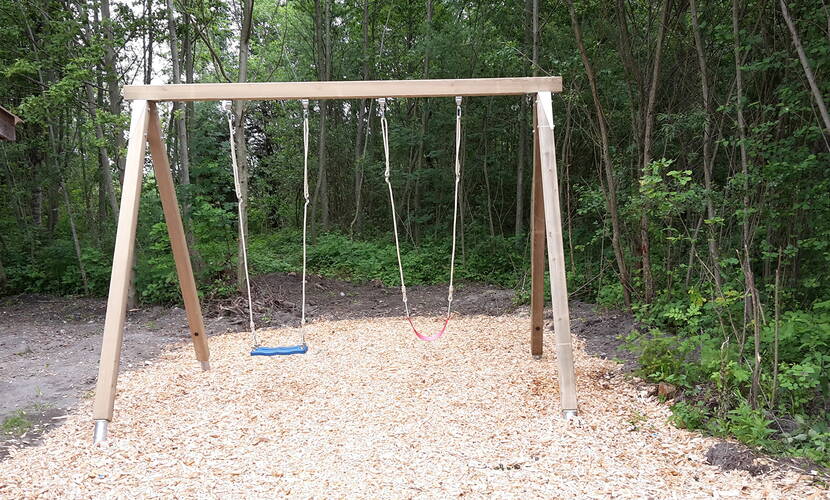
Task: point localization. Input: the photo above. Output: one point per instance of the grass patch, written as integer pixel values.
(17, 424)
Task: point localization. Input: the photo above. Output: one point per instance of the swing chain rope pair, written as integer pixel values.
(243, 239)
(384, 127)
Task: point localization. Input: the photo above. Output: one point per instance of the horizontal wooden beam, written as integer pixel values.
(344, 89)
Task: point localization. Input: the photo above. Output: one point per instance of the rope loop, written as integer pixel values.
(384, 126)
(243, 237)
(384, 129)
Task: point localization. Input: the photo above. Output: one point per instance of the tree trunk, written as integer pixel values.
(565, 187)
(808, 70)
(75, 240)
(3, 277)
(531, 11)
(105, 170)
(148, 43)
(611, 197)
(635, 77)
(484, 161)
(520, 170)
(415, 227)
(239, 135)
(741, 123)
(367, 71)
(708, 150)
(322, 35)
(182, 143)
(648, 139)
(113, 89)
(359, 148)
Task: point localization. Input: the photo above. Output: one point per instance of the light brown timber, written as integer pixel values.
(344, 89)
(178, 241)
(121, 265)
(556, 253)
(537, 250)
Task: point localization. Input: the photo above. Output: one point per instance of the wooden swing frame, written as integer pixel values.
(145, 128)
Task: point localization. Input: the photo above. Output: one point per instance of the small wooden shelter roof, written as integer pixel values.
(8, 122)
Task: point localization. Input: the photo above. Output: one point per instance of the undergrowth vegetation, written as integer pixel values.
(700, 346)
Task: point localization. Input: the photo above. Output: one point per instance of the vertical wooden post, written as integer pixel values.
(537, 251)
(556, 254)
(178, 242)
(122, 261)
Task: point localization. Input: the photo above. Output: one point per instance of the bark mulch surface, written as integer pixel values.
(372, 412)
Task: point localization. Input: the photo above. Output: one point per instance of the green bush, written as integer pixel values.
(810, 440)
(689, 415)
(685, 346)
(610, 295)
(749, 425)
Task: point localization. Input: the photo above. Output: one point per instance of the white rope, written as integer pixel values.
(384, 131)
(455, 201)
(384, 128)
(242, 237)
(305, 209)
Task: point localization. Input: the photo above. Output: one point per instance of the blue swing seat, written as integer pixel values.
(280, 351)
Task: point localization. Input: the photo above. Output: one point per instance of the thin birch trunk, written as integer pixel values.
(182, 143)
(648, 139)
(239, 135)
(808, 70)
(708, 150)
(611, 196)
(75, 241)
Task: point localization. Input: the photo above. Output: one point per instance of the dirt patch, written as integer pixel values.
(604, 332)
(277, 300)
(277, 304)
(31, 424)
(49, 349)
(735, 456)
(732, 456)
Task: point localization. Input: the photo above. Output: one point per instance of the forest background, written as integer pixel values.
(693, 141)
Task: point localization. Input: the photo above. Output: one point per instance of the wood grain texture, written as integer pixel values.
(122, 262)
(344, 89)
(537, 250)
(556, 252)
(178, 242)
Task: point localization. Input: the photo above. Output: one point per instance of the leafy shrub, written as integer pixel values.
(749, 425)
(810, 440)
(610, 295)
(689, 415)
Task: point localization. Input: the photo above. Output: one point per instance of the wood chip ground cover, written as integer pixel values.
(372, 412)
